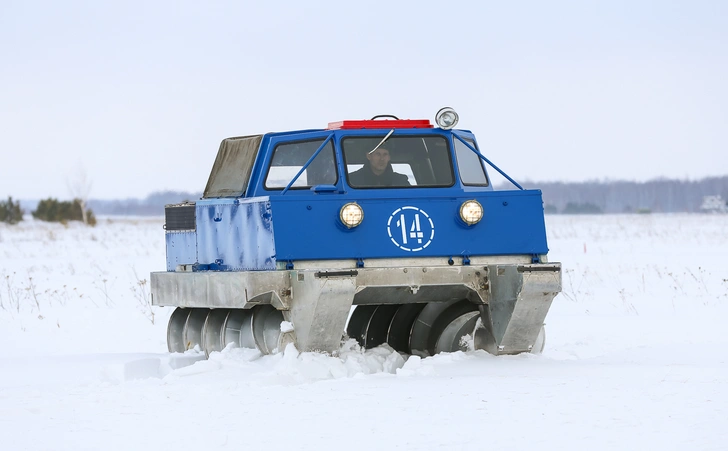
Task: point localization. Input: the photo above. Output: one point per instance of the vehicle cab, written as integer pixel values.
(447, 208)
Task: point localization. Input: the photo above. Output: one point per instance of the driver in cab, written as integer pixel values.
(377, 171)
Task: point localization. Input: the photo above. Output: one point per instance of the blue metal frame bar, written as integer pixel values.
(313, 157)
(482, 157)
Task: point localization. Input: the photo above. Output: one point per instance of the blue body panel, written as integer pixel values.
(235, 235)
(181, 248)
(310, 229)
(267, 226)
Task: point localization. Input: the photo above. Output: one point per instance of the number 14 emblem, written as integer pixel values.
(408, 227)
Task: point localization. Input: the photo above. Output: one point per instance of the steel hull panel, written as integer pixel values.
(243, 289)
(513, 299)
(215, 289)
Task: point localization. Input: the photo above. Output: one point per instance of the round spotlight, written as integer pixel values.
(471, 212)
(351, 215)
(446, 118)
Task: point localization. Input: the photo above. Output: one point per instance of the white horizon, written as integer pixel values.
(141, 94)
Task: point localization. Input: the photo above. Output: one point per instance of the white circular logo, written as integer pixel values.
(410, 229)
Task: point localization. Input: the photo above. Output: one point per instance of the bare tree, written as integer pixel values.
(80, 187)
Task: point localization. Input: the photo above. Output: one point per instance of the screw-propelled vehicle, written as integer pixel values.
(387, 230)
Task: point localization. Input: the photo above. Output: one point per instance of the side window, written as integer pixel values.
(289, 158)
(472, 171)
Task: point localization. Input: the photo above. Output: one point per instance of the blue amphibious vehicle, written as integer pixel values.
(395, 217)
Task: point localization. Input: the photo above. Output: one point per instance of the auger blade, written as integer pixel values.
(266, 328)
(175, 330)
(446, 318)
(192, 333)
(212, 331)
(450, 339)
(400, 328)
(359, 322)
(422, 327)
(238, 329)
(379, 324)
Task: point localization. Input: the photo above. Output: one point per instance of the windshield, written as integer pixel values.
(399, 162)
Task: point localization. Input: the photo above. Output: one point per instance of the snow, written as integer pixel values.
(635, 355)
(286, 326)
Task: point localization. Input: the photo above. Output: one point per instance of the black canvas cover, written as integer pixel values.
(231, 172)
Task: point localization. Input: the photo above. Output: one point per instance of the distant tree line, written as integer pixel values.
(53, 210)
(659, 196)
(10, 212)
(50, 210)
(152, 205)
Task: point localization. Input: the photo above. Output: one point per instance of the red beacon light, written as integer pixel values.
(373, 123)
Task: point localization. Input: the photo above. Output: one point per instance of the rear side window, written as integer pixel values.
(289, 158)
(472, 171)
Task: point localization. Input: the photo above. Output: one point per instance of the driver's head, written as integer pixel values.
(378, 160)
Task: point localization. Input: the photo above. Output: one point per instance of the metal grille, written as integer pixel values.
(179, 217)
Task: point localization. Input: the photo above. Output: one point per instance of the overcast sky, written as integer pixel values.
(139, 94)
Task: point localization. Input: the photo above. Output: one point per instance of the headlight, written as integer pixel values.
(446, 118)
(351, 215)
(471, 212)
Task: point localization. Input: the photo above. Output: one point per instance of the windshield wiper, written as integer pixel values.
(381, 142)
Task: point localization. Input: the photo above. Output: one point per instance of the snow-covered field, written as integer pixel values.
(636, 356)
